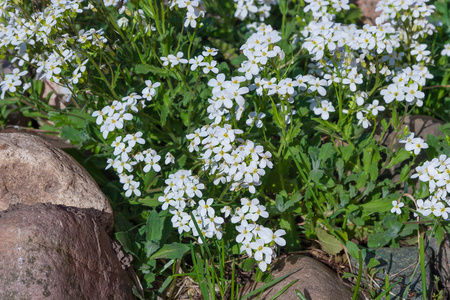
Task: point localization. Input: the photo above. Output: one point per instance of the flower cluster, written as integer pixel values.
(61, 62)
(342, 54)
(12, 81)
(200, 217)
(413, 144)
(253, 8)
(321, 8)
(436, 174)
(230, 159)
(259, 49)
(192, 11)
(113, 117)
(256, 240)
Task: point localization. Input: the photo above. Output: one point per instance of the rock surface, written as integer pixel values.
(315, 281)
(399, 264)
(33, 171)
(57, 252)
(422, 126)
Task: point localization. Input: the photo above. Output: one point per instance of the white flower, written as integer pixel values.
(151, 163)
(205, 207)
(255, 119)
(396, 207)
(362, 119)
(374, 108)
(276, 236)
(210, 67)
(210, 51)
(226, 210)
(133, 188)
(324, 110)
(261, 249)
(195, 62)
(169, 159)
(446, 50)
(122, 22)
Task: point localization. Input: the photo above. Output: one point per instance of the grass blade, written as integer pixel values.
(358, 281)
(273, 282)
(283, 290)
(300, 295)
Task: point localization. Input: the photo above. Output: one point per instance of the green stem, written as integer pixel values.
(422, 268)
(358, 281)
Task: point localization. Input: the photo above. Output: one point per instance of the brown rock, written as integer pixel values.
(56, 252)
(57, 98)
(422, 126)
(33, 171)
(368, 13)
(315, 280)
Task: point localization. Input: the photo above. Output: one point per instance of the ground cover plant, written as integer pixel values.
(226, 133)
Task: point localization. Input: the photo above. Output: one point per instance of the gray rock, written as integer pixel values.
(315, 281)
(399, 264)
(33, 171)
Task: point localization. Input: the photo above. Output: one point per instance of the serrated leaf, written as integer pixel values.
(329, 243)
(325, 151)
(164, 114)
(144, 69)
(315, 175)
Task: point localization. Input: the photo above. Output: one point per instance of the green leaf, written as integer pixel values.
(171, 251)
(377, 240)
(440, 233)
(380, 205)
(238, 60)
(144, 69)
(373, 262)
(340, 167)
(300, 295)
(74, 135)
(373, 171)
(325, 151)
(404, 174)
(287, 222)
(361, 180)
(164, 114)
(148, 201)
(315, 175)
(153, 227)
(408, 229)
(151, 247)
(400, 156)
(248, 264)
(165, 284)
(279, 203)
(352, 249)
(367, 159)
(347, 152)
(330, 244)
(125, 241)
